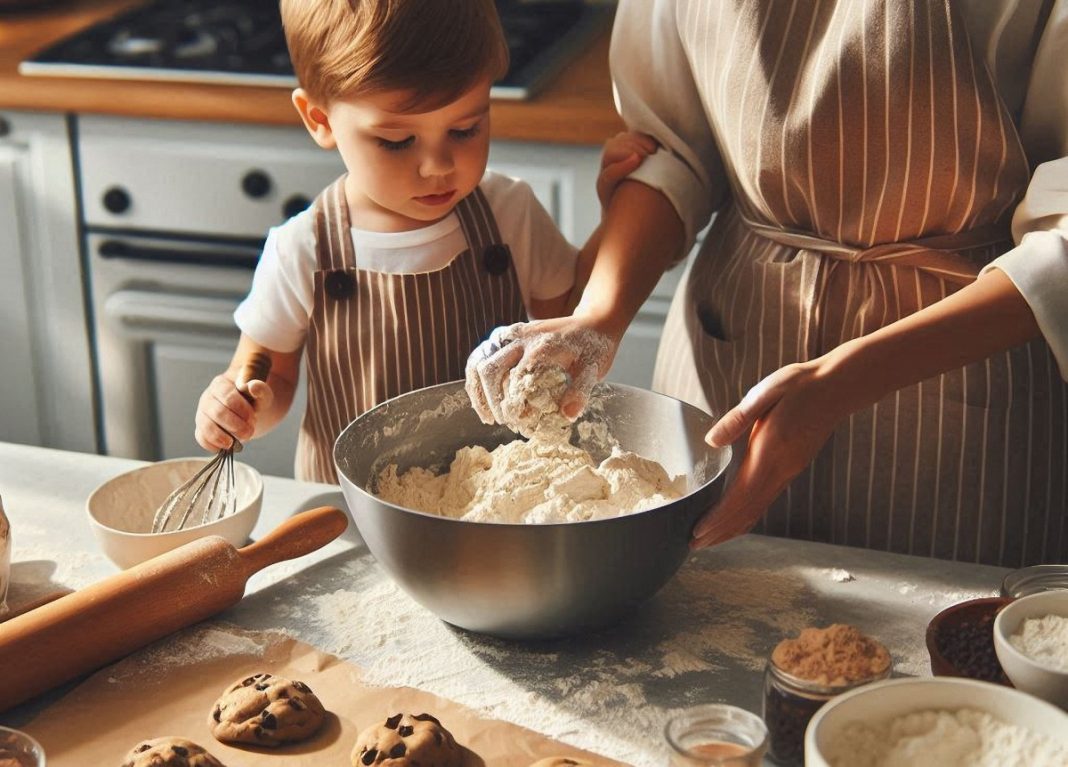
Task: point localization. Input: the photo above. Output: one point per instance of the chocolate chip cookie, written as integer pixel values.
(169, 752)
(266, 710)
(404, 740)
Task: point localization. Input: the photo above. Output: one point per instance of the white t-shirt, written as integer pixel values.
(277, 309)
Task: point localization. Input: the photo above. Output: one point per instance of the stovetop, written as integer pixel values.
(240, 42)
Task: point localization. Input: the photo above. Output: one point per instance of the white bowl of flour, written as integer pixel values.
(1031, 640)
(939, 722)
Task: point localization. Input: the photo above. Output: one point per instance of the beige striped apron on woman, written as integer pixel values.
(375, 335)
(873, 171)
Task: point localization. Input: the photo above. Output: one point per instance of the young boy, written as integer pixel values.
(403, 265)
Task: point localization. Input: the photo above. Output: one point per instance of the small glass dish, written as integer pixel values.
(20, 750)
(1033, 579)
(716, 735)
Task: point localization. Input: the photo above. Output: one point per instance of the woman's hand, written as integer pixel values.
(789, 416)
(227, 410)
(573, 343)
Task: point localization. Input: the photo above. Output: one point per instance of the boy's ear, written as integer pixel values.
(314, 118)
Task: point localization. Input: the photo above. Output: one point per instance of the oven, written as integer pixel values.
(174, 219)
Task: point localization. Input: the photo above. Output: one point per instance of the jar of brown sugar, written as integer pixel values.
(805, 672)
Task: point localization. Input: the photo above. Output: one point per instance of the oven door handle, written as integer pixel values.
(146, 314)
(121, 249)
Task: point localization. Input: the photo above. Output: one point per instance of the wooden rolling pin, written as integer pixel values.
(90, 628)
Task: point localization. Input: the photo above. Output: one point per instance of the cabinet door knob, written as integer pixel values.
(117, 200)
(256, 184)
(295, 205)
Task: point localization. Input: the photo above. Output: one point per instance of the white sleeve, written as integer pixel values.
(1038, 265)
(656, 93)
(544, 260)
(277, 309)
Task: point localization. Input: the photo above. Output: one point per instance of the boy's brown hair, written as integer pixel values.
(433, 49)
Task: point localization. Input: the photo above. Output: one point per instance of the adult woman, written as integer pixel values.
(865, 160)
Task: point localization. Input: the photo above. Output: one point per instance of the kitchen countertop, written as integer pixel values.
(703, 639)
(574, 108)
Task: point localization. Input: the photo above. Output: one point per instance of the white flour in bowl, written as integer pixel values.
(1044, 640)
(962, 738)
(543, 480)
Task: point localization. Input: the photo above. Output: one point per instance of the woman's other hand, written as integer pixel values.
(583, 351)
(789, 415)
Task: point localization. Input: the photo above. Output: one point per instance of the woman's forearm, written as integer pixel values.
(641, 236)
(984, 318)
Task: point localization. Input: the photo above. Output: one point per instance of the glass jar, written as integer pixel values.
(716, 735)
(20, 750)
(789, 704)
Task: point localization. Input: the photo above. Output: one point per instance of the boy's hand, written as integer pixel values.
(227, 410)
(621, 155)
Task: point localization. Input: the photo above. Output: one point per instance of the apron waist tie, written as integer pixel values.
(938, 254)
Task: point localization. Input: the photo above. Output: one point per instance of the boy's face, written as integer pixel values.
(405, 169)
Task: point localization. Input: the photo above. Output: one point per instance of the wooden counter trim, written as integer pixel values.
(575, 108)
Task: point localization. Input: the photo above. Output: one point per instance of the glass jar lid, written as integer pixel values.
(1031, 580)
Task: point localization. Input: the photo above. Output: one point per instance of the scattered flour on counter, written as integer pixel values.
(201, 642)
(963, 738)
(838, 575)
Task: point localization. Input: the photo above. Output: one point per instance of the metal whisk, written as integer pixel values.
(211, 493)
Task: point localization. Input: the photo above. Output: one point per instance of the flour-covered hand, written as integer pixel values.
(580, 350)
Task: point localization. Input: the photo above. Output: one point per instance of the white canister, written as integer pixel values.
(5, 557)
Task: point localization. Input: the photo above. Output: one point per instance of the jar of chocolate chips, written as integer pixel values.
(805, 672)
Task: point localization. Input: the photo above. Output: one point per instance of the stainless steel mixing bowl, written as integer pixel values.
(527, 581)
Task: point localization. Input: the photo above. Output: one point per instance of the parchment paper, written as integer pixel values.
(168, 689)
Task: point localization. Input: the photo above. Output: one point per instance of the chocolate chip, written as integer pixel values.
(398, 751)
(437, 737)
(393, 721)
(217, 714)
(405, 730)
(283, 694)
(426, 718)
(180, 750)
(142, 748)
(262, 687)
(296, 704)
(259, 732)
(269, 722)
(302, 687)
(369, 756)
(251, 680)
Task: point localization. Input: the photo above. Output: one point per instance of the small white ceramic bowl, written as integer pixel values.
(1025, 673)
(121, 510)
(887, 700)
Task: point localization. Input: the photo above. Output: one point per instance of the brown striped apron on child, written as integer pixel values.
(375, 335)
(873, 170)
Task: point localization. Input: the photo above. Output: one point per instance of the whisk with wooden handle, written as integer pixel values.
(211, 493)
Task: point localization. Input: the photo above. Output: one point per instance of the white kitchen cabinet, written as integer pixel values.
(46, 394)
